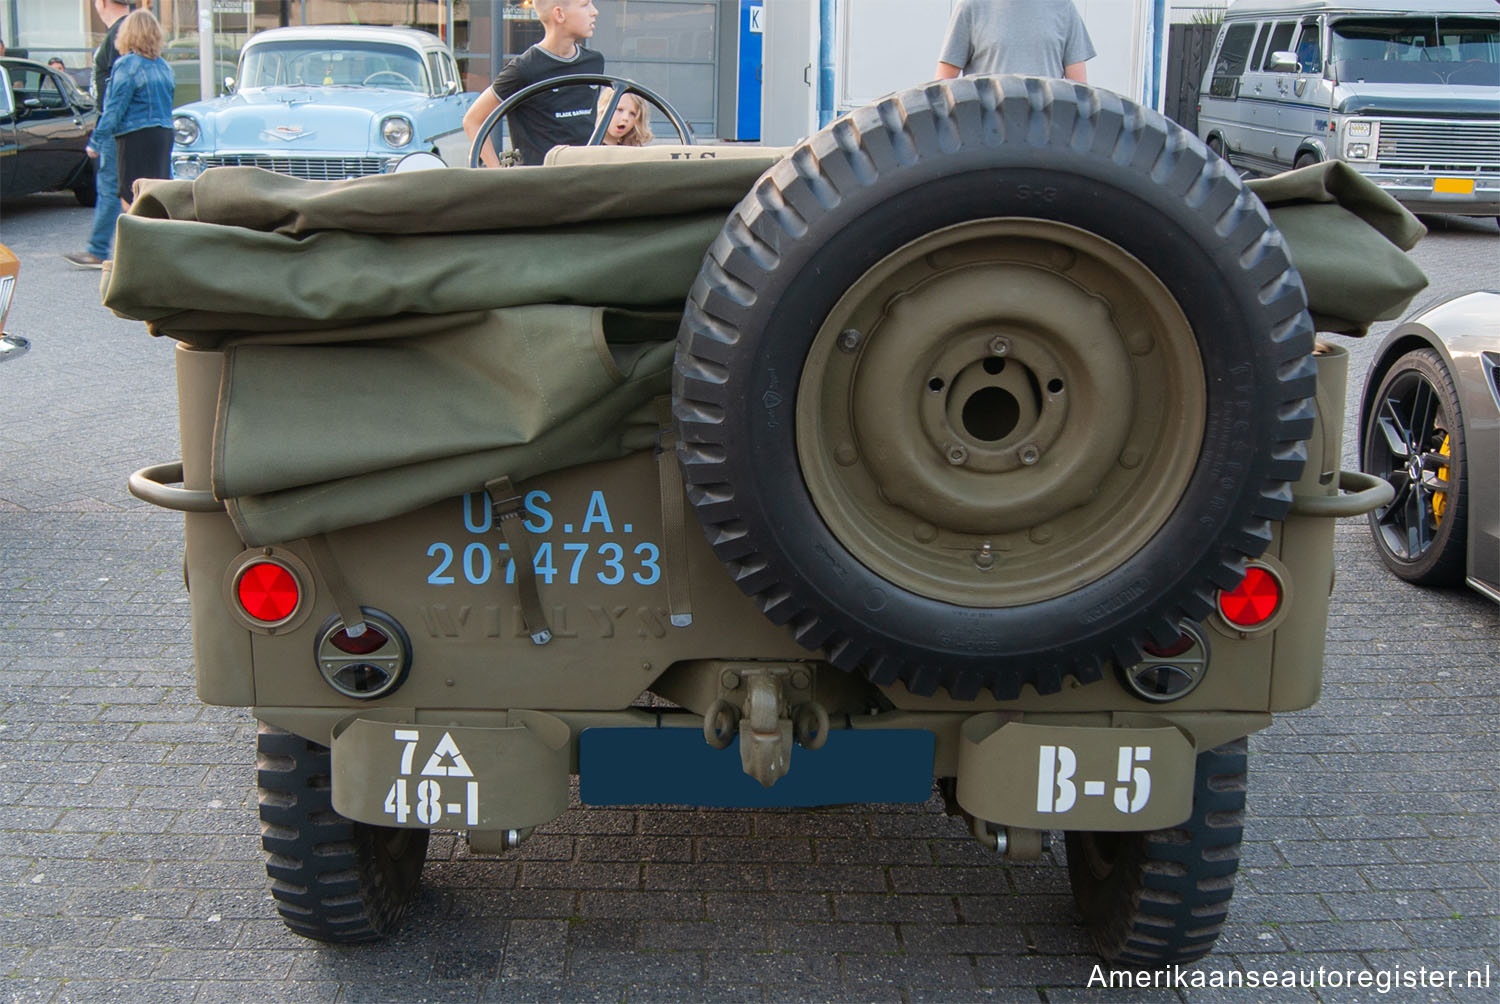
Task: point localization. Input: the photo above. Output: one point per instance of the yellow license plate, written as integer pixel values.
(1453, 186)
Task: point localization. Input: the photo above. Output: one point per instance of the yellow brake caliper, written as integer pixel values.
(1440, 499)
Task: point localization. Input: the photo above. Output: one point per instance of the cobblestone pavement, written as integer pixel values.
(130, 865)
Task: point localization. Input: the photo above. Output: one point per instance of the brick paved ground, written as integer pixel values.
(130, 866)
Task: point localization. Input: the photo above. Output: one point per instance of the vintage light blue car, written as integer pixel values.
(329, 102)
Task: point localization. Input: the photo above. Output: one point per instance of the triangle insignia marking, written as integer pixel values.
(447, 749)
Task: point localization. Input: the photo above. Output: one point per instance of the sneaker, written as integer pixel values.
(84, 259)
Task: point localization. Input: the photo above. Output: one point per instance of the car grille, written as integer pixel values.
(1451, 146)
(311, 168)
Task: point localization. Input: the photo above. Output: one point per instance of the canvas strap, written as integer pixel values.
(505, 503)
(673, 517)
(328, 569)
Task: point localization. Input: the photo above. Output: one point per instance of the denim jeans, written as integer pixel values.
(107, 208)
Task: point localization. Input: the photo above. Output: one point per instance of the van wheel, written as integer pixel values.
(1305, 160)
(941, 385)
(333, 879)
(1161, 897)
(1216, 144)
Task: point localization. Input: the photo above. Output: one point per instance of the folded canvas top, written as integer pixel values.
(395, 340)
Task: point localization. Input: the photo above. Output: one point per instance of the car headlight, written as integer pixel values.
(396, 131)
(1358, 151)
(186, 168)
(184, 130)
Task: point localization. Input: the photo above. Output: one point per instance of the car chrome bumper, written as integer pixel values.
(1461, 194)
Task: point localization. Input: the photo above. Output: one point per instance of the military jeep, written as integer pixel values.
(981, 441)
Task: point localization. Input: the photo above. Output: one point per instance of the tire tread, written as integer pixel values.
(895, 135)
(1166, 897)
(325, 878)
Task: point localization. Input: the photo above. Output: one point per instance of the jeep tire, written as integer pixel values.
(992, 382)
(333, 879)
(1160, 898)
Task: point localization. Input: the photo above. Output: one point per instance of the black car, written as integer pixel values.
(45, 121)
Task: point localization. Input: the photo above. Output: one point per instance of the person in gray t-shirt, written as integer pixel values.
(1041, 38)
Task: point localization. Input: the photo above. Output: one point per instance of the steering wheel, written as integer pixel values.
(620, 85)
(390, 73)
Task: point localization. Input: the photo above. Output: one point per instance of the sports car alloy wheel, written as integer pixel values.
(1414, 439)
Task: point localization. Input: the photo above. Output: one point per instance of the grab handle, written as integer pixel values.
(154, 484)
(1358, 494)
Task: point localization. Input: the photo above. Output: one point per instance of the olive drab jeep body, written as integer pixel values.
(981, 440)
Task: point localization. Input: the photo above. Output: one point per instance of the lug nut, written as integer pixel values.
(1029, 454)
(849, 340)
(999, 346)
(984, 558)
(957, 453)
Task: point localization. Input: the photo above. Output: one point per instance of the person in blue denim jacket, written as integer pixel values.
(138, 106)
(106, 182)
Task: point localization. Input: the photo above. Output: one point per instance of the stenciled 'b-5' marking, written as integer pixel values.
(1057, 790)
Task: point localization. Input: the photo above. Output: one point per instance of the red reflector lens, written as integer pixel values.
(268, 592)
(1253, 601)
(362, 645)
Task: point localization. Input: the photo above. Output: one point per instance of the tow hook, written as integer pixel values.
(768, 709)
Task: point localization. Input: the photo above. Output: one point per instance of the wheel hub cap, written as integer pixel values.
(1000, 411)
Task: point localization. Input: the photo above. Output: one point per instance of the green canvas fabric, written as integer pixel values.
(397, 340)
(1348, 239)
(271, 282)
(288, 254)
(418, 399)
(420, 419)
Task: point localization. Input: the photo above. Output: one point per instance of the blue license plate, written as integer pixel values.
(674, 766)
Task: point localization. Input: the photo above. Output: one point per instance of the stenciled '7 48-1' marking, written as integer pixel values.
(431, 804)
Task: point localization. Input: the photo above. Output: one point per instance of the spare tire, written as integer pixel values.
(991, 382)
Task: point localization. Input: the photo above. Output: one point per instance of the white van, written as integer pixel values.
(1405, 91)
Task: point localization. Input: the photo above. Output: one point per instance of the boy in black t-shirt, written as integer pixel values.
(564, 117)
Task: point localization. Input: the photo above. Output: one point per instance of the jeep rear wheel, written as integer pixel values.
(333, 879)
(1161, 897)
(990, 383)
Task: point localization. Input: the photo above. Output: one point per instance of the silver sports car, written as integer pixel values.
(1430, 425)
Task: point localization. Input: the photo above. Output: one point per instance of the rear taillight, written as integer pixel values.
(1168, 672)
(367, 665)
(268, 592)
(1182, 644)
(1254, 601)
(364, 643)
